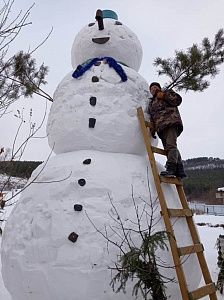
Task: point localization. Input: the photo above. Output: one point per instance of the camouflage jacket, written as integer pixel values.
(164, 112)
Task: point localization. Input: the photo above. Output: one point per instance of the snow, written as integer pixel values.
(35, 240)
(208, 237)
(123, 45)
(10, 182)
(115, 112)
(4, 294)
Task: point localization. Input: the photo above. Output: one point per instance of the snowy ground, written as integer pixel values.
(208, 236)
(4, 295)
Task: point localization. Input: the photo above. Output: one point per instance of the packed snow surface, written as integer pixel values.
(116, 127)
(36, 252)
(123, 44)
(208, 237)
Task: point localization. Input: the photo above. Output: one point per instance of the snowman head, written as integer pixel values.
(107, 37)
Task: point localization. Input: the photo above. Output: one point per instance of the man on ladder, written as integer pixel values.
(166, 121)
(195, 247)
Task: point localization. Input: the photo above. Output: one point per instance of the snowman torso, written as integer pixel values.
(109, 102)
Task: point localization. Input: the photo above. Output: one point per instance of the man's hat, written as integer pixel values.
(154, 83)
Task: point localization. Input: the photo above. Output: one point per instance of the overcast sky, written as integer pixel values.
(162, 27)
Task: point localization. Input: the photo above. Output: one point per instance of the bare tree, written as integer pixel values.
(19, 77)
(18, 148)
(19, 74)
(5, 153)
(137, 262)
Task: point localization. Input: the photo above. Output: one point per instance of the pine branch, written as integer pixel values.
(190, 70)
(24, 77)
(19, 74)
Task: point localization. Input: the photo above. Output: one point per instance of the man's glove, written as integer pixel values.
(153, 130)
(160, 95)
(153, 134)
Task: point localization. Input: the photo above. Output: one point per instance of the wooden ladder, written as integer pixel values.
(177, 252)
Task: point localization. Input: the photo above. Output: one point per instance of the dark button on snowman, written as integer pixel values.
(50, 249)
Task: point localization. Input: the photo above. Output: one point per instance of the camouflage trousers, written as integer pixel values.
(168, 137)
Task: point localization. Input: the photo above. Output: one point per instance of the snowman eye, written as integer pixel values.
(118, 23)
(91, 24)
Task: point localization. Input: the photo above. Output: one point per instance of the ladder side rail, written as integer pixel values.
(168, 225)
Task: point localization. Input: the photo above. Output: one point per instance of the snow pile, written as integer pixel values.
(208, 236)
(4, 294)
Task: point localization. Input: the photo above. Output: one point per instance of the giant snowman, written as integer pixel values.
(60, 242)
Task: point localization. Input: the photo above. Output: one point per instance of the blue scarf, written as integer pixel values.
(81, 69)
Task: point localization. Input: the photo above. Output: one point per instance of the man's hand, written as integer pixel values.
(160, 95)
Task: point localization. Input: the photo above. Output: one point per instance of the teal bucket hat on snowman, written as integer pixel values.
(109, 14)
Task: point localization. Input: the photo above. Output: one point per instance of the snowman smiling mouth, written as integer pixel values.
(101, 40)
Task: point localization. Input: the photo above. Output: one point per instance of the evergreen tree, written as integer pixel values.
(189, 70)
(141, 263)
(20, 76)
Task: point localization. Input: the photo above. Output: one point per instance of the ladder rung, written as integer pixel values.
(190, 249)
(186, 212)
(171, 180)
(159, 151)
(203, 291)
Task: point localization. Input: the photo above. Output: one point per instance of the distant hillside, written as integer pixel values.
(205, 175)
(22, 169)
(203, 163)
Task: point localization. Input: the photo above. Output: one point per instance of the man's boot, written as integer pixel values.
(170, 170)
(180, 170)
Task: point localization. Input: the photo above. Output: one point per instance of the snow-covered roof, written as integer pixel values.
(221, 189)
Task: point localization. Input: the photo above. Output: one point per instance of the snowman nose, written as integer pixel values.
(99, 18)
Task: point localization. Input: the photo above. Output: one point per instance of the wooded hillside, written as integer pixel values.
(205, 175)
(21, 169)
